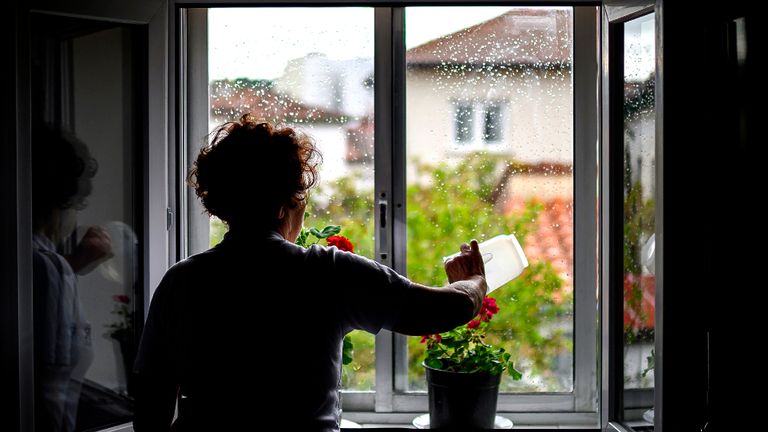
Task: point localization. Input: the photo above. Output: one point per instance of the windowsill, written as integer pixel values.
(400, 421)
(404, 420)
(464, 149)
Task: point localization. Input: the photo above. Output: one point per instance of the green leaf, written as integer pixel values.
(326, 232)
(330, 230)
(347, 351)
(434, 363)
(348, 342)
(302, 239)
(514, 373)
(651, 363)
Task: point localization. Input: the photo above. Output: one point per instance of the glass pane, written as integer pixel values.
(639, 211)
(318, 78)
(86, 206)
(492, 124)
(489, 135)
(464, 126)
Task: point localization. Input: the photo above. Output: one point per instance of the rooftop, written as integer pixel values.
(232, 98)
(523, 36)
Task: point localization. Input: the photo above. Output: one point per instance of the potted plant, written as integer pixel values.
(122, 331)
(464, 372)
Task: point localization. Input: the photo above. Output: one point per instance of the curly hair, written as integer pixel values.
(252, 169)
(63, 169)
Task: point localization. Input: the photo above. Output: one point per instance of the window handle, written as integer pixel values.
(383, 235)
(382, 214)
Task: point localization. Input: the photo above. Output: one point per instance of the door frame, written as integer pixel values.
(150, 16)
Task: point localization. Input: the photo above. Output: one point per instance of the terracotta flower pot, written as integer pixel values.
(460, 400)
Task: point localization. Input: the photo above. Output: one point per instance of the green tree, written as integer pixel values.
(456, 204)
(447, 206)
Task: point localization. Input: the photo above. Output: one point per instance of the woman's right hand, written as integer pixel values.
(429, 310)
(467, 264)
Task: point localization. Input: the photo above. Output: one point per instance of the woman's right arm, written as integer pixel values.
(429, 310)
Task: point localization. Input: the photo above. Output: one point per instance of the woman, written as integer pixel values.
(258, 318)
(63, 170)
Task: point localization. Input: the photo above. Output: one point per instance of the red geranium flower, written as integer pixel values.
(341, 242)
(121, 299)
(488, 309)
(437, 337)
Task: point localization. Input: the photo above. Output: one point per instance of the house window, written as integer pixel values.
(516, 175)
(478, 125)
(492, 123)
(464, 123)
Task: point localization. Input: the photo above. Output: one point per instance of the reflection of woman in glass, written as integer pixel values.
(62, 169)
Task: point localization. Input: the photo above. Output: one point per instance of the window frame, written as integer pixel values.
(615, 14)
(391, 402)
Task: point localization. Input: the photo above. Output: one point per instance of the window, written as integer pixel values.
(318, 81)
(87, 202)
(492, 123)
(464, 123)
(471, 168)
(524, 188)
(478, 125)
(639, 225)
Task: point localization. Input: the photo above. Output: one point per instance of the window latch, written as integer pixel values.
(168, 218)
(382, 214)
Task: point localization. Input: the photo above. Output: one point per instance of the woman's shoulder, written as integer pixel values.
(189, 267)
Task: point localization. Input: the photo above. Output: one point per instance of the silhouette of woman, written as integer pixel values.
(251, 316)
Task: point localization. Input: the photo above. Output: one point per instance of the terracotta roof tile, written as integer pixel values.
(231, 99)
(552, 237)
(552, 240)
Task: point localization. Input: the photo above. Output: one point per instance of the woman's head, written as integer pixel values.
(253, 174)
(63, 169)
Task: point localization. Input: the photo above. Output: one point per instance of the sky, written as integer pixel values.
(257, 42)
(639, 48)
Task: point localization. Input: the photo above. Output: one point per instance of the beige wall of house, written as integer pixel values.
(537, 116)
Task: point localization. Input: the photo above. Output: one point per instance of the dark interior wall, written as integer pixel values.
(709, 97)
(8, 311)
(134, 11)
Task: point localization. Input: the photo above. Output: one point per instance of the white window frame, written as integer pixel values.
(391, 402)
(478, 141)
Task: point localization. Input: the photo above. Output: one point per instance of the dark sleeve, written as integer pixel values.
(371, 294)
(155, 395)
